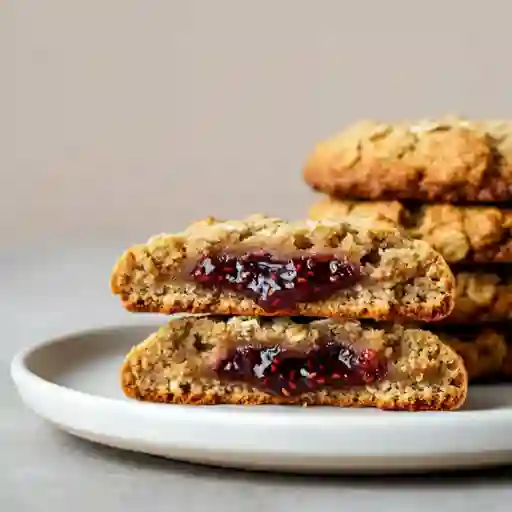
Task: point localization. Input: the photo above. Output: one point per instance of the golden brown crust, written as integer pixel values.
(459, 233)
(425, 374)
(450, 159)
(447, 403)
(404, 279)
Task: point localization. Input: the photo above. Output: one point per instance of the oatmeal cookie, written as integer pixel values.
(483, 350)
(267, 266)
(450, 159)
(210, 360)
(481, 234)
(482, 297)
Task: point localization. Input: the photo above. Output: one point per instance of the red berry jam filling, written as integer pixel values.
(276, 283)
(287, 372)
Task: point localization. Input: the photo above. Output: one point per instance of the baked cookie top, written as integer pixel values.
(450, 159)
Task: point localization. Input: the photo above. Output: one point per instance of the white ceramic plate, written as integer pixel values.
(73, 383)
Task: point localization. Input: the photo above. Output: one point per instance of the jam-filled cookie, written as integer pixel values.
(255, 360)
(267, 266)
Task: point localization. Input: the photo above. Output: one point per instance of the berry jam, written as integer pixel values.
(276, 284)
(287, 372)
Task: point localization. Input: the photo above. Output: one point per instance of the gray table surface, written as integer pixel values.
(42, 468)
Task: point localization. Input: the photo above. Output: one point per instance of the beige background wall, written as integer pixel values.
(133, 117)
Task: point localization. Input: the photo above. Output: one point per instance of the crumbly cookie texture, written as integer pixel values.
(484, 350)
(460, 233)
(174, 364)
(450, 159)
(399, 277)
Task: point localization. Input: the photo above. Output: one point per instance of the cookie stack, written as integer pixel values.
(274, 312)
(446, 182)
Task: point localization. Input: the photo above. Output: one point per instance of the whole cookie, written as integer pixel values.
(450, 159)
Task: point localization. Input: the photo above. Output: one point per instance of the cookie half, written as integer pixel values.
(451, 159)
(267, 266)
(459, 233)
(251, 360)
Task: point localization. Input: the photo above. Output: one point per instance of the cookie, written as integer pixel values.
(451, 160)
(267, 266)
(209, 360)
(480, 234)
(483, 350)
(482, 297)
